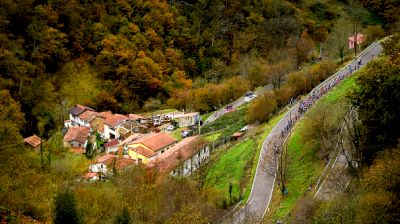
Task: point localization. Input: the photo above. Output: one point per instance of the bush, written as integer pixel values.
(65, 208)
(262, 108)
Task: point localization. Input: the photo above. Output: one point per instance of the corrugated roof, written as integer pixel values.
(33, 140)
(78, 109)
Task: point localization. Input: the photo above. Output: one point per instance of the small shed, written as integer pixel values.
(33, 141)
(236, 136)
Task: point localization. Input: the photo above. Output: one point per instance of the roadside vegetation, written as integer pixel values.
(227, 174)
(369, 92)
(306, 157)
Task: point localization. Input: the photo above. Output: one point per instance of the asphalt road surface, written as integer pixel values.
(261, 193)
(237, 103)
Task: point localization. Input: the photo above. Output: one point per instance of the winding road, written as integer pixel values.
(261, 193)
(235, 104)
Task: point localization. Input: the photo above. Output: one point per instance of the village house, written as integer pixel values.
(138, 118)
(184, 119)
(97, 123)
(359, 38)
(91, 177)
(34, 142)
(128, 140)
(123, 163)
(149, 146)
(104, 165)
(113, 124)
(76, 137)
(183, 158)
(111, 146)
(74, 115)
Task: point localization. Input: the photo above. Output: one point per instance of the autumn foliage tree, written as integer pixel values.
(262, 108)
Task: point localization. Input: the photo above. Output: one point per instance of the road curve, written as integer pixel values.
(261, 193)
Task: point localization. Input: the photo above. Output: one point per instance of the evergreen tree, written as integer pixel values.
(124, 217)
(65, 208)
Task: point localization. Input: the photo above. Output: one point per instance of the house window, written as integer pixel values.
(162, 151)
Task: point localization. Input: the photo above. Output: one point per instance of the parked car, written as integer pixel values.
(170, 128)
(186, 133)
(249, 96)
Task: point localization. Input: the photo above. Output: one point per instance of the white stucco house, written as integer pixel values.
(118, 126)
(81, 115)
(113, 126)
(183, 158)
(102, 164)
(184, 119)
(111, 146)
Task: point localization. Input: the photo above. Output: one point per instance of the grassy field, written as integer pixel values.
(304, 168)
(204, 117)
(230, 168)
(212, 137)
(227, 124)
(265, 129)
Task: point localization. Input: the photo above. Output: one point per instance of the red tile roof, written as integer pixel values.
(88, 115)
(178, 154)
(156, 141)
(131, 138)
(237, 134)
(115, 120)
(122, 163)
(143, 151)
(89, 175)
(105, 114)
(113, 142)
(33, 140)
(105, 159)
(77, 133)
(135, 116)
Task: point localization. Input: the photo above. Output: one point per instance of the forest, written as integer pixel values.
(132, 56)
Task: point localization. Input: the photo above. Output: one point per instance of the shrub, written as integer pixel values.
(262, 108)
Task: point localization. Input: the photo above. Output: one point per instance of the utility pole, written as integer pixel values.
(213, 137)
(199, 123)
(41, 153)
